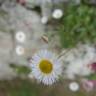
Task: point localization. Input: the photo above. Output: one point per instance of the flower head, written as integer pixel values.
(87, 85)
(20, 36)
(46, 68)
(74, 86)
(19, 50)
(22, 2)
(92, 66)
(79, 62)
(57, 14)
(44, 20)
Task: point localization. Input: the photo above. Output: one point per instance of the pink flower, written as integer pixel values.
(22, 2)
(93, 81)
(93, 66)
(88, 85)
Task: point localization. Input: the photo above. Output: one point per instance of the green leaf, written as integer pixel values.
(77, 25)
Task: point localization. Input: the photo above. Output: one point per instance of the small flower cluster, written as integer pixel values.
(46, 68)
(56, 14)
(20, 37)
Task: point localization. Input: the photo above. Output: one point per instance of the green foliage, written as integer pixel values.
(21, 69)
(92, 77)
(78, 26)
(19, 88)
(25, 87)
(3, 13)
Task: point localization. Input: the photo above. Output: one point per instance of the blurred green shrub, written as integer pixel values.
(78, 25)
(20, 69)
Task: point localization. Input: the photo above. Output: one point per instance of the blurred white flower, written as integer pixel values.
(20, 36)
(44, 20)
(79, 65)
(87, 85)
(19, 50)
(74, 86)
(46, 68)
(57, 14)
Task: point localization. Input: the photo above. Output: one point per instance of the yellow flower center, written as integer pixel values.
(46, 66)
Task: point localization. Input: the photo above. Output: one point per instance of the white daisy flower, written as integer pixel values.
(57, 14)
(20, 36)
(19, 50)
(74, 86)
(46, 68)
